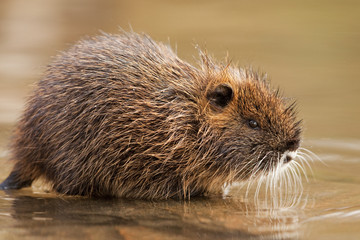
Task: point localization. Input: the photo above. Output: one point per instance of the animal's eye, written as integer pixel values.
(253, 124)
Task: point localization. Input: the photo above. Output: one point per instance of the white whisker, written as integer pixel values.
(300, 168)
(304, 160)
(311, 155)
(273, 181)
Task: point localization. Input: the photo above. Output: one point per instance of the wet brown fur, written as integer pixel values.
(122, 115)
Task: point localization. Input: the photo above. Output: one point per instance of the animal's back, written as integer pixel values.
(96, 121)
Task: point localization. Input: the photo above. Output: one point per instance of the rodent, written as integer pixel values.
(121, 115)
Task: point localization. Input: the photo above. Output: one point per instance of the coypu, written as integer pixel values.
(122, 115)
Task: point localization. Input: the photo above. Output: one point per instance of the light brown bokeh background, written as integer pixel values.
(309, 48)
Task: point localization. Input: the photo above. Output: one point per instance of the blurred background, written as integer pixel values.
(310, 49)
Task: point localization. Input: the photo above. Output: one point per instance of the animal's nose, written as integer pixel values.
(293, 144)
(290, 156)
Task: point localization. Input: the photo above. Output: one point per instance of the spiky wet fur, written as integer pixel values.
(122, 115)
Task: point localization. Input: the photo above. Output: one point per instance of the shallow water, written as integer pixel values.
(310, 49)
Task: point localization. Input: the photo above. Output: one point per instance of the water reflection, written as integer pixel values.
(201, 218)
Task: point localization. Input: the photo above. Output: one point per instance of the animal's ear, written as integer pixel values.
(220, 96)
